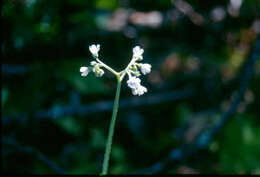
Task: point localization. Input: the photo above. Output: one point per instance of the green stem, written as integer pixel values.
(111, 129)
(123, 73)
(107, 67)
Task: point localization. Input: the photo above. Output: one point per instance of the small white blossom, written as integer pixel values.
(94, 49)
(84, 71)
(133, 82)
(138, 52)
(145, 68)
(139, 90)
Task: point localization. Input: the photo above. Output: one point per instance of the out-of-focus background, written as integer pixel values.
(200, 115)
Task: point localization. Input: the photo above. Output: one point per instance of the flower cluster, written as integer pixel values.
(132, 70)
(137, 88)
(133, 81)
(95, 67)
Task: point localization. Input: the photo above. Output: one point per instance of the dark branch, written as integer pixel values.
(102, 106)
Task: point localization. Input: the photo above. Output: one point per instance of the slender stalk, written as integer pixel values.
(123, 73)
(107, 67)
(111, 129)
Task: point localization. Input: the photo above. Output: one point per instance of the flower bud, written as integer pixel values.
(84, 71)
(145, 68)
(138, 52)
(94, 49)
(133, 82)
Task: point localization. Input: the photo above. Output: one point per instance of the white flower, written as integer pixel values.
(138, 52)
(84, 71)
(133, 82)
(145, 68)
(139, 90)
(94, 49)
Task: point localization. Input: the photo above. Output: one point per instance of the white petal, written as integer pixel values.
(134, 91)
(84, 73)
(138, 51)
(145, 68)
(141, 90)
(83, 69)
(94, 49)
(133, 82)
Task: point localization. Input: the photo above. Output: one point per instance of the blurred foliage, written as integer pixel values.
(244, 156)
(55, 121)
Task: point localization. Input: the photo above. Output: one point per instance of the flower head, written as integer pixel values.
(145, 68)
(133, 73)
(138, 52)
(84, 71)
(139, 90)
(94, 49)
(133, 69)
(133, 82)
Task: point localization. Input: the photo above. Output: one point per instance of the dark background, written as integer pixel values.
(200, 115)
